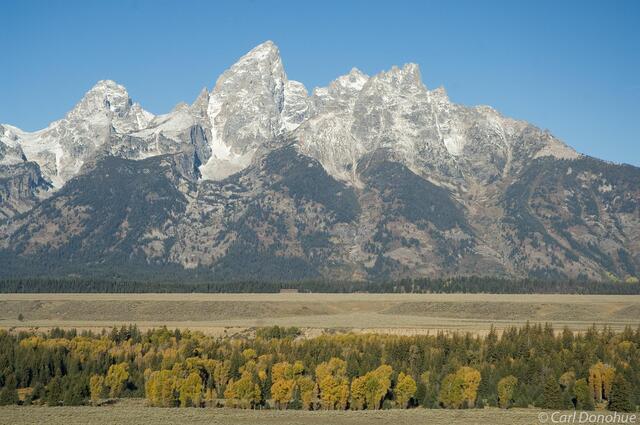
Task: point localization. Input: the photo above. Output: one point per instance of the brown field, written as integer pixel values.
(317, 313)
(134, 412)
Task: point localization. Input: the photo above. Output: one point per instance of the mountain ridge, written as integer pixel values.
(370, 177)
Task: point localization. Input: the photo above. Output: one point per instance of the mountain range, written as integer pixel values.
(371, 177)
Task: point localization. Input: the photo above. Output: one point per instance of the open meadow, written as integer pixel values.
(134, 412)
(228, 314)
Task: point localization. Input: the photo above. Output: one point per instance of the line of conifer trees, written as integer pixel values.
(450, 285)
(278, 368)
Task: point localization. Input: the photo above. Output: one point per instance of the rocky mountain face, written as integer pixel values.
(371, 177)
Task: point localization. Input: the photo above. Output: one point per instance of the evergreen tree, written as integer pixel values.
(583, 395)
(9, 394)
(38, 392)
(551, 395)
(72, 396)
(620, 397)
(54, 392)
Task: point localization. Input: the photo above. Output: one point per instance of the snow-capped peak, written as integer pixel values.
(105, 95)
(265, 51)
(245, 110)
(253, 103)
(407, 77)
(354, 80)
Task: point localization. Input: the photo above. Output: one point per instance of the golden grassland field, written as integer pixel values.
(135, 412)
(382, 313)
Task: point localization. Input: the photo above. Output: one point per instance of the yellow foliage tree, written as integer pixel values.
(333, 384)
(460, 388)
(308, 392)
(282, 370)
(377, 386)
(506, 388)
(297, 368)
(471, 378)
(220, 372)
(406, 388)
(368, 391)
(567, 380)
(243, 392)
(249, 354)
(282, 392)
(116, 378)
(96, 387)
(600, 379)
(358, 393)
(160, 388)
(190, 390)
(334, 392)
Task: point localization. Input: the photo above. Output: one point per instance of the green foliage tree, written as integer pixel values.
(72, 394)
(583, 394)
(620, 397)
(551, 396)
(188, 368)
(9, 393)
(54, 392)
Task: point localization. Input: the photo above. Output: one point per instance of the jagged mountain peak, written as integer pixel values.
(354, 80)
(408, 77)
(108, 86)
(104, 96)
(263, 51)
(370, 176)
(245, 110)
(200, 105)
(263, 61)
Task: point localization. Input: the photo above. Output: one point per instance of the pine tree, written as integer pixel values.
(72, 396)
(584, 397)
(54, 392)
(620, 397)
(9, 394)
(552, 397)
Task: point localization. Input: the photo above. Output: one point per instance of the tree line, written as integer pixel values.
(472, 284)
(278, 368)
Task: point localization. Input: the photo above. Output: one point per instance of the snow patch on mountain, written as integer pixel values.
(253, 105)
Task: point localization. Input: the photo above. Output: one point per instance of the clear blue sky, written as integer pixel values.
(570, 66)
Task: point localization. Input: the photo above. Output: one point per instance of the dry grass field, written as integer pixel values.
(316, 313)
(134, 412)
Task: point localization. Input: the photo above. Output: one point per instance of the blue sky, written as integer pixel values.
(572, 67)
